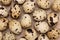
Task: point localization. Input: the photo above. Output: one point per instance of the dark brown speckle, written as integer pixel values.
(55, 15)
(43, 36)
(30, 30)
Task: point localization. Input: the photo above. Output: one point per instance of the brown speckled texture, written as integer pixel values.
(20, 35)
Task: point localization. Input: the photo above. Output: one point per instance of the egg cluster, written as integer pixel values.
(29, 19)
